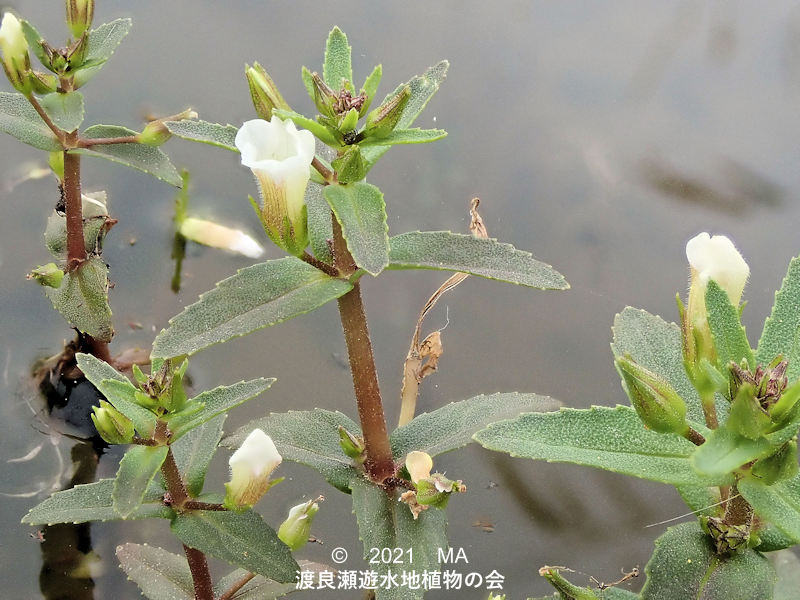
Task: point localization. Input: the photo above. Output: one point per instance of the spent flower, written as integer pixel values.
(280, 157)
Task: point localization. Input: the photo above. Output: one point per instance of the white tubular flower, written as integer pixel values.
(218, 236)
(419, 465)
(251, 466)
(280, 157)
(711, 258)
(718, 259)
(14, 47)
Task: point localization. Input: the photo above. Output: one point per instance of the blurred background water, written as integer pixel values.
(599, 136)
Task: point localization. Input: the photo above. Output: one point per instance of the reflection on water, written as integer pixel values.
(600, 136)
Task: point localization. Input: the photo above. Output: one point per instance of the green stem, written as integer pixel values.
(379, 462)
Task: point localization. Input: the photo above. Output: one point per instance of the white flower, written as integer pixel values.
(15, 52)
(718, 259)
(251, 466)
(419, 465)
(280, 157)
(219, 236)
(710, 258)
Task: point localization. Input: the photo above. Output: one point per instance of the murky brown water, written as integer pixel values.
(600, 136)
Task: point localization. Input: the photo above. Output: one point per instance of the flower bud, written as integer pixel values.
(112, 425)
(280, 157)
(710, 258)
(435, 490)
(79, 16)
(263, 91)
(657, 404)
(352, 446)
(294, 531)
(49, 275)
(156, 133)
(14, 47)
(251, 465)
(218, 236)
(382, 121)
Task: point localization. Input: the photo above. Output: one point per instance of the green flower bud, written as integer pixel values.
(382, 120)
(325, 98)
(49, 275)
(112, 425)
(353, 446)
(251, 466)
(264, 92)
(156, 133)
(295, 530)
(14, 48)
(80, 14)
(657, 404)
(435, 490)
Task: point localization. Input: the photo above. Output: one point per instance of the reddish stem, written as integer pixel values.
(237, 586)
(124, 139)
(76, 247)
(201, 576)
(379, 462)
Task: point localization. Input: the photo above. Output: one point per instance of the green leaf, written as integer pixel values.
(320, 131)
(102, 43)
(730, 340)
(383, 522)
(204, 132)
(370, 87)
(781, 333)
(242, 539)
(422, 87)
(217, 401)
(607, 438)
(308, 81)
(337, 60)
(161, 575)
(787, 567)
(349, 166)
(34, 39)
(118, 391)
(136, 472)
(725, 451)
(253, 298)
(779, 504)
(656, 345)
(361, 212)
(405, 136)
(65, 110)
(82, 299)
(95, 226)
(320, 227)
(93, 502)
(446, 251)
(194, 451)
(684, 565)
(310, 438)
(453, 425)
(141, 157)
(18, 118)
